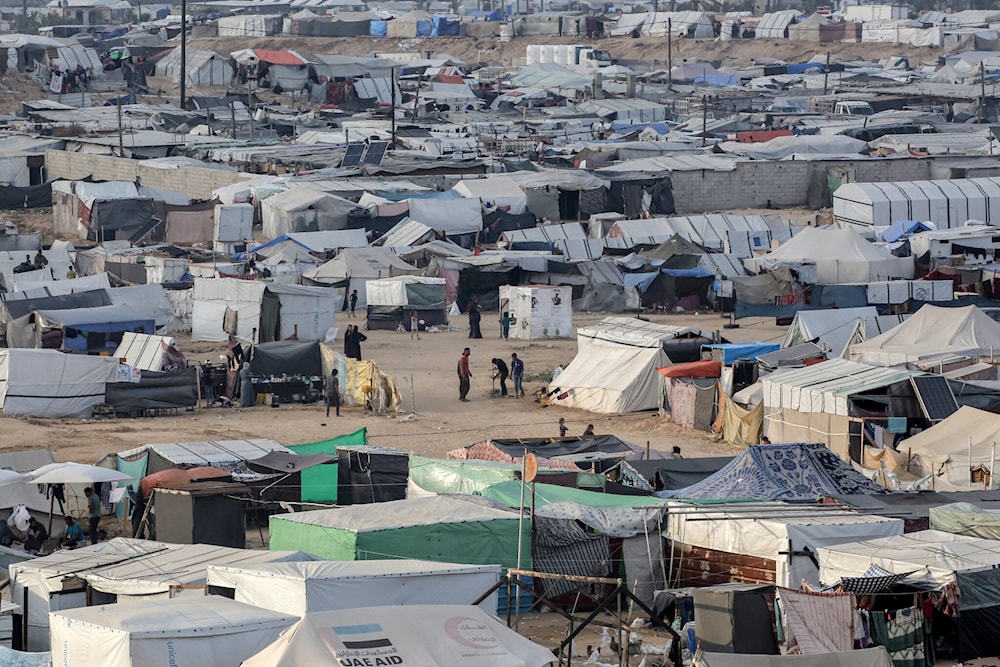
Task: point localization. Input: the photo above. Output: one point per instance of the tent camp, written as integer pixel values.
(447, 529)
(78, 329)
(611, 380)
(354, 267)
(425, 635)
(967, 568)
(538, 311)
(952, 449)
(932, 331)
(299, 588)
(833, 256)
(204, 68)
(48, 383)
(836, 328)
(501, 193)
(946, 203)
(218, 631)
(680, 343)
(303, 209)
(391, 300)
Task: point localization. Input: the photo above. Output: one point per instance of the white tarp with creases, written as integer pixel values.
(49, 383)
(930, 332)
(611, 380)
(214, 296)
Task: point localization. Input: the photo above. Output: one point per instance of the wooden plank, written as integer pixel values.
(696, 566)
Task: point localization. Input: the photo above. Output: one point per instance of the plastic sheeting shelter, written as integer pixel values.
(689, 24)
(538, 311)
(835, 328)
(307, 587)
(966, 519)
(424, 635)
(51, 384)
(950, 448)
(302, 209)
(204, 68)
(356, 266)
(931, 332)
(78, 329)
(439, 528)
(680, 343)
(391, 300)
(933, 560)
(501, 193)
(946, 203)
(612, 380)
(212, 630)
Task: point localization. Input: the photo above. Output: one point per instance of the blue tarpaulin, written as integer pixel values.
(719, 80)
(432, 194)
(377, 28)
(442, 26)
(640, 280)
(696, 272)
(424, 28)
(901, 228)
(800, 68)
(624, 127)
(733, 351)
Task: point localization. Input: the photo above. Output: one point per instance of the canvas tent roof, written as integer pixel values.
(220, 454)
(463, 635)
(494, 192)
(932, 331)
(826, 386)
(612, 380)
(633, 332)
(943, 449)
(835, 328)
(361, 263)
(839, 255)
(788, 472)
(51, 384)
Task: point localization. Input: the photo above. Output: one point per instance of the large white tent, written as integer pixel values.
(500, 192)
(424, 635)
(833, 256)
(49, 383)
(210, 630)
(611, 379)
(950, 448)
(835, 328)
(303, 587)
(358, 266)
(946, 203)
(204, 68)
(932, 331)
(303, 209)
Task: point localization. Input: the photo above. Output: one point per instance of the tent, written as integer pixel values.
(148, 352)
(299, 312)
(302, 209)
(950, 449)
(500, 192)
(680, 343)
(788, 472)
(611, 380)
(538, 311)
(966, 519)
(204, 68)
(868, 657)
(968, 568)
(229, 455)
(832, 256)
(47, 383)
(354, 267)
(429, 636)
(78, 329)
(835, 328)
(689, 393)
(159, 633)
(946, 203)
(391, 300)
(447, 529)
(299, 588)
(775, 25)
(932, 331)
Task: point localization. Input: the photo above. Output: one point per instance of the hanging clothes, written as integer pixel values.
(817, 623)
(906, 634)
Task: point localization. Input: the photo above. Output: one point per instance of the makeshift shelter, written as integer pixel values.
(832, 256)
(352, 268)
(965, 570)
(429, 476)
(688, 393)
(107, 211)
(319, 483)
(836, 328)
(931, 332)
(391, 300)
(78, 329)
(462, 635)
(51, 384)
(204, 68)
(367, 474)
(538, 311)
(447, 529)
(680, 343)
(494, 193)
(611, 380)
(965, 519)
(761, 544)
(302, 209)
(670, 289)
(553, 452)
(689, 24)
(220, 632)
(946, 203)
(301, 588)
(775, 25)
(735, 618)
(228, 455)
(954, 448)
(148, 352)
(797, 472)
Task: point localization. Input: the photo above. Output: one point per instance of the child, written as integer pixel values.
(414, 325)
(505, 325)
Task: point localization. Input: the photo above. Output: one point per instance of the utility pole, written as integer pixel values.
(670, 53)
(704, 120)
(826, 72)
(250, 109)
(982, 91)
(392, 107)
(184, 27)
(121, 141)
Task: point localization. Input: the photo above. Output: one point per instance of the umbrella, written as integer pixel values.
(8, 477)
(75, 473)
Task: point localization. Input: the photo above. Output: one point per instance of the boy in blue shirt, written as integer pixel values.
(74, 534)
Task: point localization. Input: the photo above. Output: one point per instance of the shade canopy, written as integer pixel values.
(75, 473)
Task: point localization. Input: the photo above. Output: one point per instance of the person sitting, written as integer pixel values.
(40, 261)
(36, 536)
(74, 534)
(25, 266)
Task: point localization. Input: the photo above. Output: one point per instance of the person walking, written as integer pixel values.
(563, 429)
(464, 375)
(333, 392)
(505, 325)
(517, 373)
(248, 395)
(354, 302)
(414, 325)
(93, 512)
(475, 317)
(356, 339)
(501, 374)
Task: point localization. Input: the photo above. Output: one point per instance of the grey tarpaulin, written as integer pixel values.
(562, 547)
(288, 357)
(166, 390)
(643, 556)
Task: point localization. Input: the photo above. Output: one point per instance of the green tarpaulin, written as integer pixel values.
(473, 476)
(509, 493)
(319, 483)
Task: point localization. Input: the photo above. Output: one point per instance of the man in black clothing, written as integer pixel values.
(355, 344)
(475, 317)
(354, 301)
(501, 372)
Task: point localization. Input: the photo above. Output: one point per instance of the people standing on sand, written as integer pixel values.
(354, 302)
(464, 375)
(505, 325)
(562, 427)
(475, 317)
(517, 373)
(354, 351)
(248, 395)
(332, 392)
(501, 374)
(414, 325)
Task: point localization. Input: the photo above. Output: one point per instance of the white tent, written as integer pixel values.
(946, 203)
(612, 380)
(144, 351)
(359, 265)
(538, 311)
(498, 192)
(775, 24)
(214, 298)
(48, 383)
(449, 216)
(163, 633)
(689, 24)
(632, 332)
(950, 448)
(204, 68)
(302, 209)
(306, 312)
(832, 256)
(424, 635)
(835, 328)
(932, 331)
(305, 587)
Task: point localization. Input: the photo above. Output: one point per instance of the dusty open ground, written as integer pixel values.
(442, 423)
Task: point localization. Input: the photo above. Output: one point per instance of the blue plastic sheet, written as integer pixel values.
(378, 28)
(733, 351)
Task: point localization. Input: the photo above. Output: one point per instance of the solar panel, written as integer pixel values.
(935, 397)
(375, 153)
(352, 158)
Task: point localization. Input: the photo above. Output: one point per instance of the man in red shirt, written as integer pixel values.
(463, 376)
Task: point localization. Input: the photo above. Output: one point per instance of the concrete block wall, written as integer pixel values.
(195, 182)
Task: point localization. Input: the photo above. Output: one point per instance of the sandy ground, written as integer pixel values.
(442, 423)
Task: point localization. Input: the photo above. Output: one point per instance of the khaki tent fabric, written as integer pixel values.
(737, 425)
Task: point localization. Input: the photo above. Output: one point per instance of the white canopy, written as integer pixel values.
(496, 192)
(835, 328)
(428, 636)
(825, 387)
(932, 331)
(943, 450)
(632, 332)
(612, 380)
